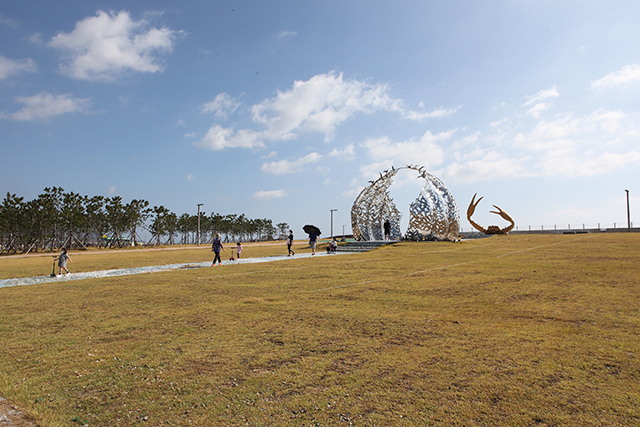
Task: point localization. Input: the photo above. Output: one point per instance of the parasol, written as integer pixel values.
(311, 228)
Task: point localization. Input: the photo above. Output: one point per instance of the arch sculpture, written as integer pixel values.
(434, 214)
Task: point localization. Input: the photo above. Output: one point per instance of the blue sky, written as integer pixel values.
(286, 109)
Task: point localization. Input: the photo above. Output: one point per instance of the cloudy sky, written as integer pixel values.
(286, 109)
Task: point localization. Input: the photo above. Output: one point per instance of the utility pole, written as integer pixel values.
(332, 211)
(628, 212)
(199, 204)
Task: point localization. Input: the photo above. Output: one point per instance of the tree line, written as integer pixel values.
(57, 219)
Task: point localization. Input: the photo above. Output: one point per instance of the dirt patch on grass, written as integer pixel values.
(12, 416)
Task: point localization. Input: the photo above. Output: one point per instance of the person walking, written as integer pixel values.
(238, 249)
(387, 230)
(313, 240)
(290, 242)
(62, 261)
(216, 247)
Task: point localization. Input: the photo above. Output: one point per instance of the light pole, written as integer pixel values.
(332, 211)
(628, 212)
(199, 204)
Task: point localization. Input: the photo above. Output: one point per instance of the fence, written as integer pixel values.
(561, 228)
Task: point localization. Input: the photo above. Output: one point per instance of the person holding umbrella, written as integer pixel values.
(313, 233)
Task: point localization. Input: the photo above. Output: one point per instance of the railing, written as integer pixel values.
(563, 227)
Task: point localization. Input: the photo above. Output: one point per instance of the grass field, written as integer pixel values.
(513, 331)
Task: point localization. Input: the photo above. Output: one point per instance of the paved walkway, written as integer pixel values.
(25, 281)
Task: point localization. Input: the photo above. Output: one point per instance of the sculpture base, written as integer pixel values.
(416, 236)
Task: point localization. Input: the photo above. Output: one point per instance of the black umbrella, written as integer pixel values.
(311, 229)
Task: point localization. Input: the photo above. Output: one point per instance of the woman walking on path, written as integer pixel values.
(217, 245)
(313, 240)
(62, 261)
(290, 242)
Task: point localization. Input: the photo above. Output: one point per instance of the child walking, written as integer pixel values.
(62, 261)
(238, 249)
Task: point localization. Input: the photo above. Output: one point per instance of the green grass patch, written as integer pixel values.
(511, 330)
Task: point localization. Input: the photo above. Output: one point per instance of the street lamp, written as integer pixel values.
(628, 212)
(199, 204)
(332, 211)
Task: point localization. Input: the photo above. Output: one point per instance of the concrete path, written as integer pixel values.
(25, 281)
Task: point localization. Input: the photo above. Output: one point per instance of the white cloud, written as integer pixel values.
(111, 190)
(435, 114)
(324, 170)
(282, 167)
(537, 109)
(191, 177)
(347, 152)
(424, 151)
(45, 105)
(627, 74)
(499, 122)
(552, 92)
(274, 194)
(286, 34)
(219, 138)
(492, 165)
(580, 146)
(372, 170)
(536, 104)
(499, 106)
(467, 140)
(9, 67)
(569, 145)
(318, 105)
(222, 105)
(8, 21)
(353, 193)
(576, 164)
(36, 38)
(103, 46)
(595, 131)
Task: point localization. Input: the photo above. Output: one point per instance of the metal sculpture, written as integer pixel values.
(492, 229)
(434, 214)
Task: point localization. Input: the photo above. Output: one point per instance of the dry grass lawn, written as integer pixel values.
(511, 331)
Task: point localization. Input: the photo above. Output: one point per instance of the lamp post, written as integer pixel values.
(628, 212)
(332, 211)
(199, 204)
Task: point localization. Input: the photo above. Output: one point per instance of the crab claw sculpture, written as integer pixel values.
(492, 229)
